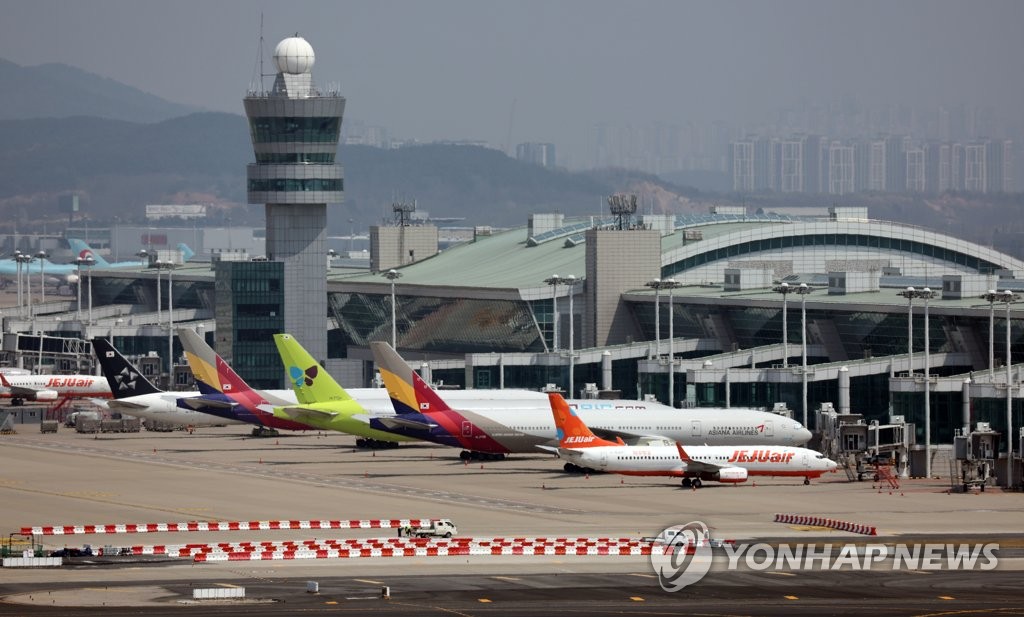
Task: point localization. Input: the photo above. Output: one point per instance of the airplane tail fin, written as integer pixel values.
(312, 384)
(683, 456)
(3, 381)
(408, 392)
(212, 373)
(83, 250)
(186, 252)
(122, 376)
(570, 430)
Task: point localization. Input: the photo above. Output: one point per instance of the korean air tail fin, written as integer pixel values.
(570, 430)
(312, 384)
(122, 376)
(83, 250)
(186, 252)
(408, 392)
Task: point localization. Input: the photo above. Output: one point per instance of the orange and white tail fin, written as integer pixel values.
(3, 381)
(683, 456)
(570, 430)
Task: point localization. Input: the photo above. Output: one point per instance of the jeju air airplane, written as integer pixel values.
(732, 464)
(518, 422)
(47, 388)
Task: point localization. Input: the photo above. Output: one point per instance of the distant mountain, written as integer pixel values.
(117, 167)
(60, 91)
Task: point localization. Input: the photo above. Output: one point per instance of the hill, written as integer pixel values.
(59, 91)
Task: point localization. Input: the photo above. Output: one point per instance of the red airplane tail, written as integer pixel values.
(571, 431)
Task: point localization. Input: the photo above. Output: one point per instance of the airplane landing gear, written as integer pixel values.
(807, 481)
(691, 483)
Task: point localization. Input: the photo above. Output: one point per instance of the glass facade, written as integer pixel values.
(294, 184)
(269, 129)
(283, 158)
(447, 325)
(249, 311)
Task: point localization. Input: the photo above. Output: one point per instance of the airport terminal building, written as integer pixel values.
(603, 303)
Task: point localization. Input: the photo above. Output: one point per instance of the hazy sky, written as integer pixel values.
(451, 69)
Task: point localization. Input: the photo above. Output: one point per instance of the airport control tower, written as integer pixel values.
(295, 129)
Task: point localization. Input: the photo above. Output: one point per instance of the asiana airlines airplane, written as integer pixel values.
(494, 428)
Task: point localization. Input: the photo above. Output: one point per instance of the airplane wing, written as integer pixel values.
(303, 413)
(695, 466)
(620, 437)
(22, 391)
(551, 449)
(199, 403)
(399, 422)
(125, 406)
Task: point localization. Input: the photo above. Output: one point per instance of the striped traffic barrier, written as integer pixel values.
(818, 521)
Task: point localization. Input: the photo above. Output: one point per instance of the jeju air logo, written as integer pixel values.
(302, 378)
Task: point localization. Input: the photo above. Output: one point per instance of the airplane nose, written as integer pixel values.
(801, 436)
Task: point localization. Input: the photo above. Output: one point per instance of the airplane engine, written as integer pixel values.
(45, 395)
(71, 279)
(732, 475)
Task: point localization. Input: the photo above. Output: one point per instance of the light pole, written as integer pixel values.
(42, 282)
(554, 280)
(169, 265)
(351, 235)
(23, 261)
(83, 261)
(925, 294)
(89, 266)
(392, 275)
(803, 290)
(1009, 298)
(784, 289)
(991, 296)
(671, 284)
(571, 282)
(910, 293)
(656, 285)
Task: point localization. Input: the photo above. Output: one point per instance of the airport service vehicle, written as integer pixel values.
(21, 388)
(134, 395)
(441, 527)
(498, 427)
(694, 464)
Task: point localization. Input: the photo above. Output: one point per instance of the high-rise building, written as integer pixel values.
(916, 170)
(841, 167)
(536, 154)
(295, 129)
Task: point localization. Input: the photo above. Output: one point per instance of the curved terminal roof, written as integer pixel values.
(699, 249)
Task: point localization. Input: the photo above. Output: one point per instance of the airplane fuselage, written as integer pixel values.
(761, 460)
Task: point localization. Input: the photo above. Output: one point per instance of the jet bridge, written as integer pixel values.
(862, 448)
(976, 453)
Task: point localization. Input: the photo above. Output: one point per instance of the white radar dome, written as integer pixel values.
(294, 55)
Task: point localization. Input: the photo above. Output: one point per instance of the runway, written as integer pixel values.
(223, 474)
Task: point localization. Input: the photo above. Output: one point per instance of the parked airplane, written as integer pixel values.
(225, 394)
(323, 403)
(518, 425)
(84, 250)
(134, 395)
(732, 464)
(69, 272)
(21, 388)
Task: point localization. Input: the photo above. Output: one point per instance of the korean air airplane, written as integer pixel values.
(494, 428)
(731, 464)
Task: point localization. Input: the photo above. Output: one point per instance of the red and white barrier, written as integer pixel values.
(819, 521)
(196, 526)
(395, 547)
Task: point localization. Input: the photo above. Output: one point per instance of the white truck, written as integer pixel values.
(437, 527)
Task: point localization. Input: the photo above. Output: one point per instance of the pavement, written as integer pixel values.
(223, 474)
